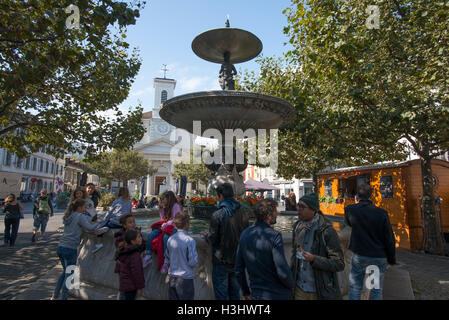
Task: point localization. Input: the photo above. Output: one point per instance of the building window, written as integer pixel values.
(7, 160)
(27, 163)
(386, 187)
(34, 164)
(163, 96)
(51, 187)
(308, 188)
(328, 188)
(41, 165)
(52, 168)
(18, 162)
(62, 168)
(46, 166)
(57, 169)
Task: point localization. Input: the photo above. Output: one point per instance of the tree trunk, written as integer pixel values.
(433, 233)
(315, 183)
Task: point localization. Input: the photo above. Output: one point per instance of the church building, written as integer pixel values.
(157, 142)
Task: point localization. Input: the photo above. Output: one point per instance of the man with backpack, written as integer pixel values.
(41, 211)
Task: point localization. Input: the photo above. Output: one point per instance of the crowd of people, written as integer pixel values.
(153, 202)
(248, 262)
(130, 245)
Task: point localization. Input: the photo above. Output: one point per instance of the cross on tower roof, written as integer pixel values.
(165, 70)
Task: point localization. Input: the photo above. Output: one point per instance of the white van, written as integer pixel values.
(9, 183)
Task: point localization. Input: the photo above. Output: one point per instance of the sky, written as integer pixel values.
(165, 31)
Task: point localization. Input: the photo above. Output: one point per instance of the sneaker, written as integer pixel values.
(102, 230)
(164, 268)
(146, 260)
(97, 247)
(33, 238)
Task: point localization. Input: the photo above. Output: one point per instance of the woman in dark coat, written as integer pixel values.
(11, 208)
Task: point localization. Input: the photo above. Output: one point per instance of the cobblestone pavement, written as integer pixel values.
(27, 262)
(429, 274)
(22, 265)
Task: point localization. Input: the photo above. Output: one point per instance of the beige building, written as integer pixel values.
(30, 175)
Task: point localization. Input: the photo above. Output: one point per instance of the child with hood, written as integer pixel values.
(129, 266)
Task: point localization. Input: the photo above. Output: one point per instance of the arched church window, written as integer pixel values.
(163, 96)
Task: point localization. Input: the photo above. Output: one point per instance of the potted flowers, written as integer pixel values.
(201, 207)
(248, 202)
(62, 200)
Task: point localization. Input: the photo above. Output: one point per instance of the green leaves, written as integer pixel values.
(358, 91)
(193, 172)
(55, 81)
(121, 165)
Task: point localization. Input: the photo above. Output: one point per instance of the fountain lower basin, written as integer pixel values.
(99, 282)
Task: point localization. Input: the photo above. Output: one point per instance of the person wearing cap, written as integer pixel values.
(316, 253)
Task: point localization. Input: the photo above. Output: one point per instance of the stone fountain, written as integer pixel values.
(227, 109)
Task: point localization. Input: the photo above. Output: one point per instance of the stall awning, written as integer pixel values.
(254, 185)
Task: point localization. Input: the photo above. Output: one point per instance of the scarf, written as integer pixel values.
(303, 228)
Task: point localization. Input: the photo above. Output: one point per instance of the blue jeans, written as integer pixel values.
(129, 295)
(153, 235)
(68, 258)
(357, 276)
(40, 220)
(226, 286)
(109, 224)
(181, 289)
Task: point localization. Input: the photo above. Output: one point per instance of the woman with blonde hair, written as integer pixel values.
(74, 223)
(11, 209)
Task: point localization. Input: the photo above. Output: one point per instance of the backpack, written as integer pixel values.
(44, 207)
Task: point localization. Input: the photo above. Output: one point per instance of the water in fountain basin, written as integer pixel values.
(284, 223)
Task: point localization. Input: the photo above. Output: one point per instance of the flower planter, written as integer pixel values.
(62, 204)
(201, 212)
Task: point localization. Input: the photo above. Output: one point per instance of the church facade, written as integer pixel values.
(157, 142)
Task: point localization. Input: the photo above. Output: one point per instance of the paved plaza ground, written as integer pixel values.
(30, 270)
(27, 262)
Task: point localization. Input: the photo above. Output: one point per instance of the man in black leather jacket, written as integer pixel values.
(226, 226)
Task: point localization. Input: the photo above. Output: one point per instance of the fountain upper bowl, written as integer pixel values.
(223, 109)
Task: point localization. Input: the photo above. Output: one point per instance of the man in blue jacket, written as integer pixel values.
(261, 253)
